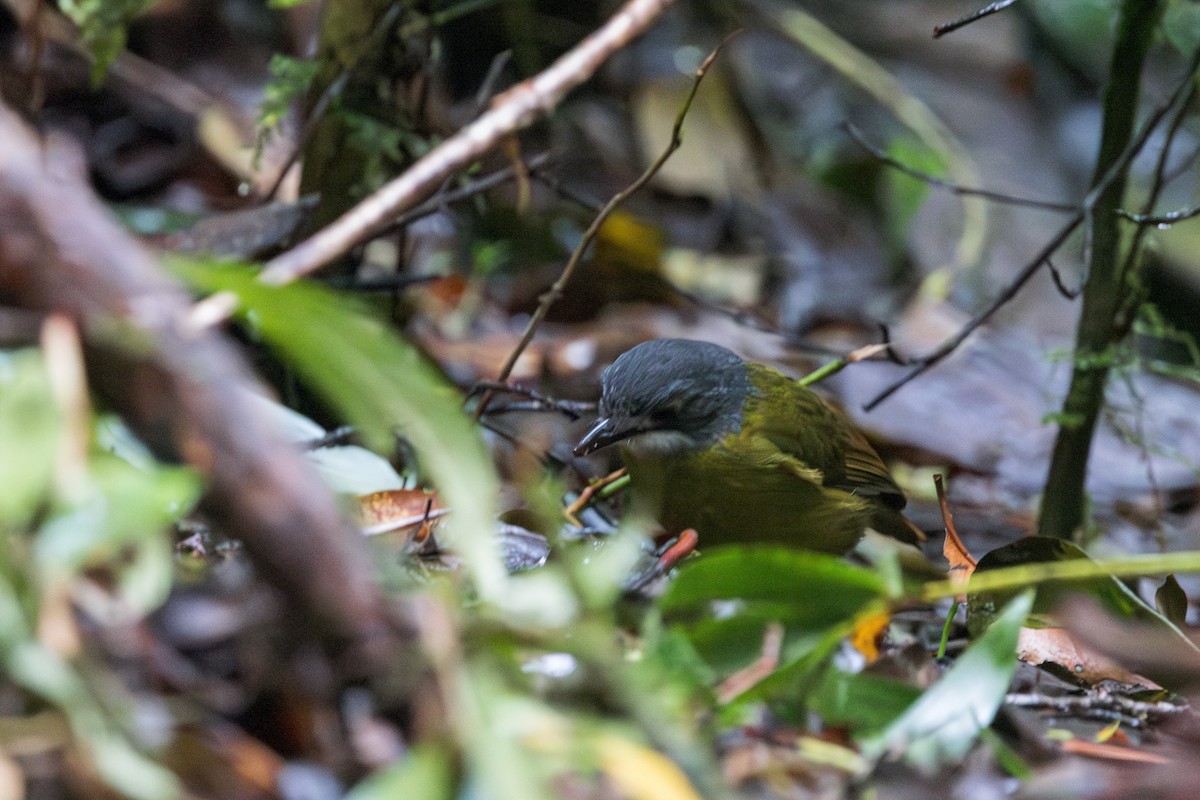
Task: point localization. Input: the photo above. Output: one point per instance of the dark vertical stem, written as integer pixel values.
(1105, 291)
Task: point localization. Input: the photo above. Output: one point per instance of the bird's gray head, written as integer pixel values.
(669, 395)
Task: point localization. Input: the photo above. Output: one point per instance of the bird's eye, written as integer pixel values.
(665, 417)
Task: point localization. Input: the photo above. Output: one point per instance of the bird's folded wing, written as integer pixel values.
(867, 475)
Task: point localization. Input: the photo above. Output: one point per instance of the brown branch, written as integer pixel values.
(512, 111)
(184, 391)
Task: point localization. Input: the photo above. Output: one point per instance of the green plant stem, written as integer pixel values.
(1023, 576)
(1104, 293)
(949, 623)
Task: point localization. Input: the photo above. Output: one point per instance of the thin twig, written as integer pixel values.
(951, 344)
(514, 110)
(986, 11)
(467, 191)
(1169, 218)
(1060, 284)
(1159, 173)
(957, 189)
(555, 291)
(574, 409)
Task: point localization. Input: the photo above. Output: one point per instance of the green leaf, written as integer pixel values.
(29, 432)
(425, 773)
(730, 644)
(790, 688)
(943, 723)
(866, 703)
(802, 585)
(1181, 25)
(378, 382)
(290, 79)
(724, 601)
(103, 24)
(131, 773)
(123, 505)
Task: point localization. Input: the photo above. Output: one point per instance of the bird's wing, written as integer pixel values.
(809, 431)
(867, 475)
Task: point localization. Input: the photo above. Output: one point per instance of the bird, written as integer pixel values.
(740, 452)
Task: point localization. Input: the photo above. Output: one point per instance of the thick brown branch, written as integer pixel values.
(183, 390)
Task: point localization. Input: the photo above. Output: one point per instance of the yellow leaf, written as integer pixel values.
(641, 773)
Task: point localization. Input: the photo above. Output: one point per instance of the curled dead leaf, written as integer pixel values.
(398, 509)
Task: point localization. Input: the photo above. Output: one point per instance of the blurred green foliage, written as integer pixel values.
(58, 518)
(103, 24)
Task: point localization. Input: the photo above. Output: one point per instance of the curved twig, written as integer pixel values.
(556, 290)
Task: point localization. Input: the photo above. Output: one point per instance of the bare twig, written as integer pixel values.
(986, 11)
(951, 344)
(1169, 218)
(1105, 705)
(573, 409)
(1160, 169)
(955, 188)
(555, 291)
(1060, 284)
(467, 191)
(514, 110)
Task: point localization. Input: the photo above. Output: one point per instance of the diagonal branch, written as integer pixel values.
(511, 112)
(183, 390)
(1117, 168)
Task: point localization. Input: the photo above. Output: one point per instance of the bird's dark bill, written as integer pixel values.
(601, 435)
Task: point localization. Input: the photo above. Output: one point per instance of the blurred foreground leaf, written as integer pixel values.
(123, 506)
(29, 422)
(109, 509)
(424, 773)
(866, 703)
(724, 600)
(379, 383)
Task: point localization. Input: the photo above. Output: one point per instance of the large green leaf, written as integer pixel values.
(803, 585)
(379, 383)
(724, 601)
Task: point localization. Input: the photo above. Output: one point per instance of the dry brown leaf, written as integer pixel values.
(1058, 646)
(1114, 752)
(397, 509)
